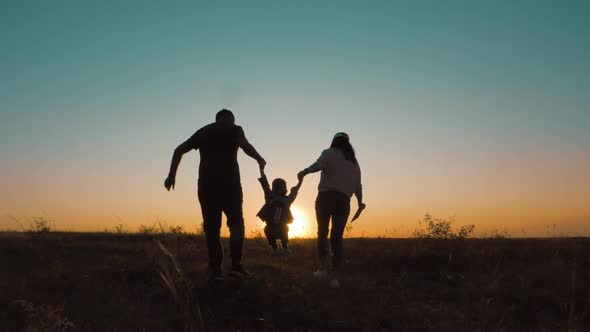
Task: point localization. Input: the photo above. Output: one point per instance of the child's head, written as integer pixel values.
(279, 187)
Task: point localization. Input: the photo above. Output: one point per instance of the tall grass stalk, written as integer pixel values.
(180, 289)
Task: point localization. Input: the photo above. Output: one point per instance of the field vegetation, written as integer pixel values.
(157, 281)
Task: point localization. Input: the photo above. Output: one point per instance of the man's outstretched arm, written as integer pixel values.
(249, 149)
(176, 158)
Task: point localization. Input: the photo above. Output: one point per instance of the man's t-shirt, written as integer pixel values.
(218, 146)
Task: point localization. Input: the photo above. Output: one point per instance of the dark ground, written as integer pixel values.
(109, 282)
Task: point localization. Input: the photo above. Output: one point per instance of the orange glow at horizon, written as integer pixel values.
(301, 223)
(537, 193)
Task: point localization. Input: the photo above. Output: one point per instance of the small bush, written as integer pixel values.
(259, 237)
(41, 225)
(143, 229)
(120, 229)
(496, 234)
(176, 230)
(438, 228)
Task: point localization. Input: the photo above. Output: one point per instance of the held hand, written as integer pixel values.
(298, 185)
(301, 175)
(169, 183)
(261, 168)
(262, 164)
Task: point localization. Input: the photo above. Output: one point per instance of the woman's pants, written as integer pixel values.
(336, 206)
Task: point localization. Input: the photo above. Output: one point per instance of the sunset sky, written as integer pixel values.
(468, 108)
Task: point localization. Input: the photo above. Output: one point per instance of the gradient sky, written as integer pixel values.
(468, 108)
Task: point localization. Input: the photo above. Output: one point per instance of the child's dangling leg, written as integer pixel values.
(285, 239)
(286, 248)
(272, 242)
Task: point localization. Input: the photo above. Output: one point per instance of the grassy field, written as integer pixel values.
(111, 282)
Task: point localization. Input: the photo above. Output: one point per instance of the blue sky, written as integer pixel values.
(94, 97)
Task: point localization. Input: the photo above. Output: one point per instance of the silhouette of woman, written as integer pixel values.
(340, 178)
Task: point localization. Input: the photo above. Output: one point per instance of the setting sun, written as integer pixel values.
(301, 223)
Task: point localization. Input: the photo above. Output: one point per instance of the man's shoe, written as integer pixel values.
(239, 272)
(216, 277)
(334, 283)
(320, 274)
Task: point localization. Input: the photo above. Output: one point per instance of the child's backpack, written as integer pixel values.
(275, 213)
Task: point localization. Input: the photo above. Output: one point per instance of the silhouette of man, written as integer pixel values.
(219, 186)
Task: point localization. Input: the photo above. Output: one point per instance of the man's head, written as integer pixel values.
(279, 187)
(225, 116)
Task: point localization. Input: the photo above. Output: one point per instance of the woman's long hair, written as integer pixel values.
(342, 143)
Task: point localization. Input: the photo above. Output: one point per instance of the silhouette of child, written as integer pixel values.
(276, 212)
